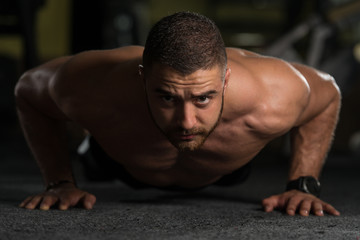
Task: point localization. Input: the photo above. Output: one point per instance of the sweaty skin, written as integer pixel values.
(133, 112)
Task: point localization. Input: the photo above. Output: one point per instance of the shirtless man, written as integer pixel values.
(184, 112)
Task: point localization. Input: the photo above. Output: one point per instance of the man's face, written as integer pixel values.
(185, 108)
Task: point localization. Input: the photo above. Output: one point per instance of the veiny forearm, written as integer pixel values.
(46, 137)
(311, 142)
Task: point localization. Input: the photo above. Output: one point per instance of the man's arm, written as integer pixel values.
(310, 139)
(44, 126)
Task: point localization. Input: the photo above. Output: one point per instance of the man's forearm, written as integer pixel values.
(46, 138)
(311, 142)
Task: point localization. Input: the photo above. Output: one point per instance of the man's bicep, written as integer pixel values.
(323, 92)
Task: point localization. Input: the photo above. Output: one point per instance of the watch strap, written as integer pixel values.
(306, 184)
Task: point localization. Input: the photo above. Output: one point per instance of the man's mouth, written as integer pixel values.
(187, 137)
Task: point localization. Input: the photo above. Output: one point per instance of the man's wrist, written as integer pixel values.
(55, 184)
(307, 184)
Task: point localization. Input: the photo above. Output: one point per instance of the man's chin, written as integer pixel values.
(188, 146)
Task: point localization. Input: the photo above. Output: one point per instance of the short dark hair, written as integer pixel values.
(186, 42)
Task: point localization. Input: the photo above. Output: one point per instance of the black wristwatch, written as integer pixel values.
(306, 184)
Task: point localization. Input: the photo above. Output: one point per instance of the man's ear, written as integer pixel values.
(141, 72)
(227, 77)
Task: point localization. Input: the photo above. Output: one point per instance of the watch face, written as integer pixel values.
(311, 185)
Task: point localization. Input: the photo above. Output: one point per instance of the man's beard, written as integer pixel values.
(201, 134)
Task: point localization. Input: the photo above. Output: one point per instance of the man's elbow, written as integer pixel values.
(335, 103)
(336, 92)
(22, 87)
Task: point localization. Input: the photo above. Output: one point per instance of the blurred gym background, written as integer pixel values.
(321, 33)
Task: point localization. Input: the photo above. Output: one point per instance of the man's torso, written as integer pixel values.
(110, 102)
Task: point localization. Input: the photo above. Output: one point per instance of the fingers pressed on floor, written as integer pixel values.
(317, 209)
(64, 205)
(269, 204)
(33, 203)
(48, 202)
(305, 208)
(330, 209)
(268, 208)
(26, 201)
(89, 201)
(292, 206)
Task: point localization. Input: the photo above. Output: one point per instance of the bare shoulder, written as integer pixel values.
(33, 88)
(278, 92)
(323, 91)
(90, 78)
(88, 63)
(94, 57)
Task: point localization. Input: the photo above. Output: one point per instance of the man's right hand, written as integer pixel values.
(65, 195)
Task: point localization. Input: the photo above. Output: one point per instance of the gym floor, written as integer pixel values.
(212, 213)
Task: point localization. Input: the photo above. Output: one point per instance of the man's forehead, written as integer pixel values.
(165, 75)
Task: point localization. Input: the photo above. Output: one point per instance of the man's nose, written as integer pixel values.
(187, 116)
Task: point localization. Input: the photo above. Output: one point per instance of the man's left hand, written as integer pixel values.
(294, 200)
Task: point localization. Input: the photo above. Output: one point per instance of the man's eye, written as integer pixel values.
(168, 99)
(203, 99)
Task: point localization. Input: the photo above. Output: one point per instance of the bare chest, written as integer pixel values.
(141, 146)
(132, 139)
